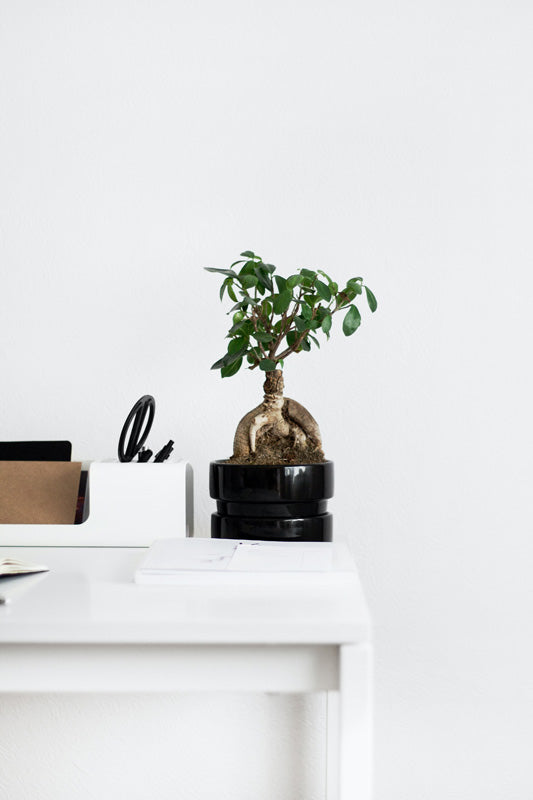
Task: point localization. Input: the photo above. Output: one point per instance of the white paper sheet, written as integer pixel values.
(269, 557)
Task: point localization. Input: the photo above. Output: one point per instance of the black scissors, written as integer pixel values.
(140, 420)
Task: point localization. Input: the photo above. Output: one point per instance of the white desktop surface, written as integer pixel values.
(89, 596)
(85, 626)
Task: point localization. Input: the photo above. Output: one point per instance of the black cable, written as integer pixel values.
(164, 453)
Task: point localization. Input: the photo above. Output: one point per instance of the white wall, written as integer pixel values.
(142, 141)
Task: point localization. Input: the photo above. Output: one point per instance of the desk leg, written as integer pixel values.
(349, 727)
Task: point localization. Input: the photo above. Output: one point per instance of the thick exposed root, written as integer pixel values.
(301, 417)
(241, 442)
(267, 420)
(279, 430)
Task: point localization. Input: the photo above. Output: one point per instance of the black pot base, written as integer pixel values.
(279, 510)
(305, 529)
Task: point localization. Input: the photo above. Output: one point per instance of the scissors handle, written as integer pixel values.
(142, 414)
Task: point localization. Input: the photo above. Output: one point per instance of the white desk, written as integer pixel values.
(85, 627)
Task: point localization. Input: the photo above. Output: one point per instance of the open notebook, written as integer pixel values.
(202, 561)
(13, 566)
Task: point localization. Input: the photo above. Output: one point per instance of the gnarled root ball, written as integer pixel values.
(278, 431)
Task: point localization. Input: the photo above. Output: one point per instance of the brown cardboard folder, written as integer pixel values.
(39, 492)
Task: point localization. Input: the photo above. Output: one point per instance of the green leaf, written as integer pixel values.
(282, 302)
(326, 324)
(232, 357)
(308, 273)
(281, 282)
(314, 324)
(325, 275)
(267, 364)
(354, 285)
(291, 338)
(231, 293)
(248, 268)
(315, 340)
(238, 344)
(231, 369)
(307, 312)
(247, 281)
(293, 280)
(249, 254)
(301, 324)
(322, 290)
(228, 359)
(270, 267)
(223, 288)
(263, 277)
(372, 302)
(351, 321)
(248, 301)
(238, 306)
(237, 327)
(265, 338)
(305, 345)
(229, 272)
(221, 362)
(266, 308)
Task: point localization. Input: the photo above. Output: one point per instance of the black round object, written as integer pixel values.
(297, 483)
(306, 529)
(289, 510)
(272, 502)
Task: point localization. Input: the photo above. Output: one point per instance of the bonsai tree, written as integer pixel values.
(272, 318)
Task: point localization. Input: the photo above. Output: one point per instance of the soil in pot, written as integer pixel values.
(278, 450)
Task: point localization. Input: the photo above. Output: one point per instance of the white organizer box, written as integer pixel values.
(130, 505)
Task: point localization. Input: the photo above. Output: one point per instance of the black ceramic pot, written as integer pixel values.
(275, 503)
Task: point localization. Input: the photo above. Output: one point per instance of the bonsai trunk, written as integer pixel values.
(278, 431)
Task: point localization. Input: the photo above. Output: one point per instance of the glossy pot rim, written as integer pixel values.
(271, 483)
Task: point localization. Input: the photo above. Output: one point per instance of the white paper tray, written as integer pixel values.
(130, 505)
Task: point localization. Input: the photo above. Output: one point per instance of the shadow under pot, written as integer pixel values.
(272, 503)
